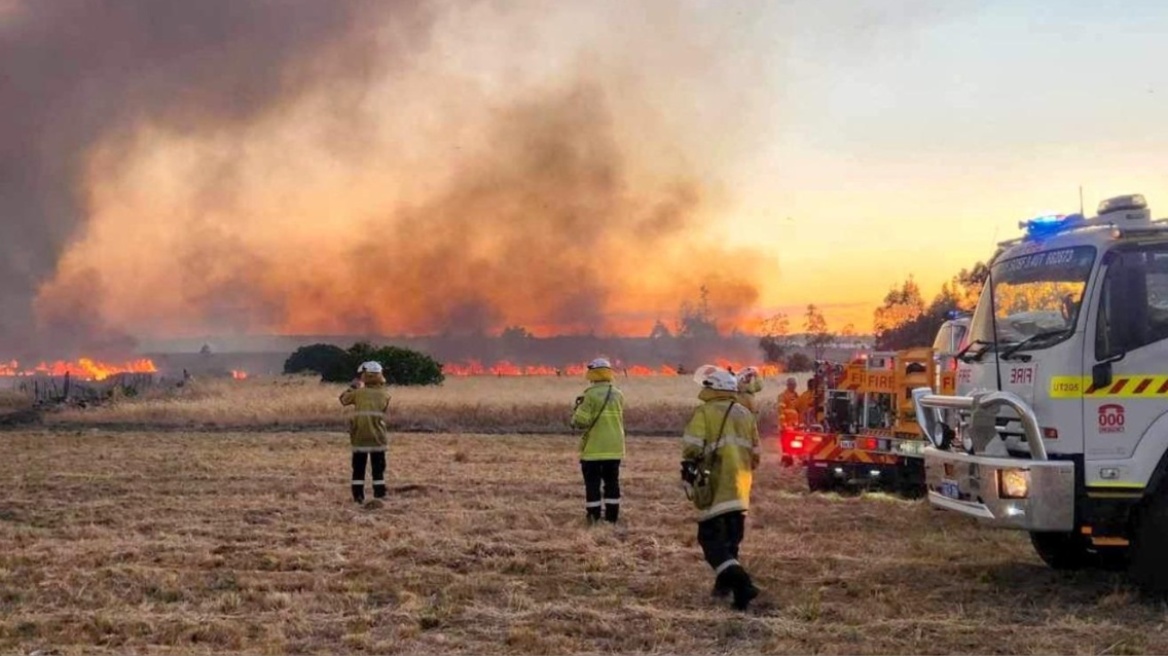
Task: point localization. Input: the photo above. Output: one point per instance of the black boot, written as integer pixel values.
(379, 491)
(744, 589)
(358, 493)
(611, 512)
(722, 587)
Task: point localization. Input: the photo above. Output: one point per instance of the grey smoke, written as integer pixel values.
(75, 71)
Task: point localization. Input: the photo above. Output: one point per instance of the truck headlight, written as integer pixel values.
(911, 447)
(1013, 483)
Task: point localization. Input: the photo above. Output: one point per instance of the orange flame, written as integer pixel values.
(238, 375)
(505, 368)
(82, 369)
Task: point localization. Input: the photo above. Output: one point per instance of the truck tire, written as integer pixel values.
(1063, 551)
(1148, 568)
(818, 480)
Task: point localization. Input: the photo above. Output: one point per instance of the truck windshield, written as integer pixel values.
(1034, 294)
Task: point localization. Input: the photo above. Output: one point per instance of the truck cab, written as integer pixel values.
(1059, 421)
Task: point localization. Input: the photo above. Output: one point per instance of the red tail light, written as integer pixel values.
(1049, 433)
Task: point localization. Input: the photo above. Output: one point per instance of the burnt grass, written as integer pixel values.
(199, 543)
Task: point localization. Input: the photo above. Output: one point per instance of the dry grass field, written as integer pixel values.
(196, 542)
(656, 405)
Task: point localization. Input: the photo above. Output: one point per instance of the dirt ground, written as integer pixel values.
(188, 542)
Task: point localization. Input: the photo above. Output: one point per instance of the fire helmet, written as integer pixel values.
(703, 372)
(371, 367)
(723, 381)
(600, 363)
(747, 375)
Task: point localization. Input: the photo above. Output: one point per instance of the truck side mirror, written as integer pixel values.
(1101, 375)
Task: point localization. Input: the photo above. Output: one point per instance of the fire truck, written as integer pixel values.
(863, 427)
(1059, 422)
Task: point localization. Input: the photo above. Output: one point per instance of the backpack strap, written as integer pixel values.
(712, 449)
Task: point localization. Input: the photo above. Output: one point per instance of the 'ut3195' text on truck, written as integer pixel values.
(1059, 422)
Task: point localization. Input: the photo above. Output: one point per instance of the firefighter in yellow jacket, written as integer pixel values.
(368, 433)
(788, 405)
(749, 384)
(720, 450)
(600, 413)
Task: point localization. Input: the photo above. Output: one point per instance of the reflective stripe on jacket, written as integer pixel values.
(606, 440)
(367, 423)
(737, 450)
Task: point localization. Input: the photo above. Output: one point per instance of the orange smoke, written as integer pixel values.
(82, 369)
(556, 212)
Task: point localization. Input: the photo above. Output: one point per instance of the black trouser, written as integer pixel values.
(377, 462)
(596, 474)
(720, 537)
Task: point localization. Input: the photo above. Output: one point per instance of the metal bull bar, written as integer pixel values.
(929, 407)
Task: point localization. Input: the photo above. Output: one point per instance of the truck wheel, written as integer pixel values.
(818, 480)
(1113, 559)
(1148, 568)
(1062, 550)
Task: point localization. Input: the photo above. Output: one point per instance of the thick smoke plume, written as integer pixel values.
(171, 167)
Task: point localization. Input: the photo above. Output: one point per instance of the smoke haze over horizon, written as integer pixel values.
(175, 168)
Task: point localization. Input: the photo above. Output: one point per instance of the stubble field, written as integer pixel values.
(172, 540)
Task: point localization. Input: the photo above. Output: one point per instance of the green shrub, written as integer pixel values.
(401, 366)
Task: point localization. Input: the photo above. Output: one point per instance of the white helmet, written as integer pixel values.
(703, 372)
(600, 363)
(748, 374)
(371, 367)
(723, 381)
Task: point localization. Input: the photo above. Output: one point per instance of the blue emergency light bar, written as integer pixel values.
(1049, 224)
(1046, 224)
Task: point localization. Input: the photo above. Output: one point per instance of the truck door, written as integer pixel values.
(1131, 338)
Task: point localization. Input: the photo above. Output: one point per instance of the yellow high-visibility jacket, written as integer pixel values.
(808, 409)
(788, 409)
(746, 395)
(736, 452)
(367, 427)
(606, 439)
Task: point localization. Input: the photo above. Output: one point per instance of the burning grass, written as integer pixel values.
(655, 405)
(190, 542)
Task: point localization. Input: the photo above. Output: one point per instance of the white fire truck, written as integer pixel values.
(1059, 422)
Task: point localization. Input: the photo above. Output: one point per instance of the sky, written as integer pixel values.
(913, 151)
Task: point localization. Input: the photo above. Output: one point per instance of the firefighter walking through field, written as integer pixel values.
(600, 412)
(368, 433)
(720, 450)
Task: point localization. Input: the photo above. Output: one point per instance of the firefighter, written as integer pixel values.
(368, 433)
(806, 405)
(749, 384)
(720, 450)
(600, 412)
(789, 405)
